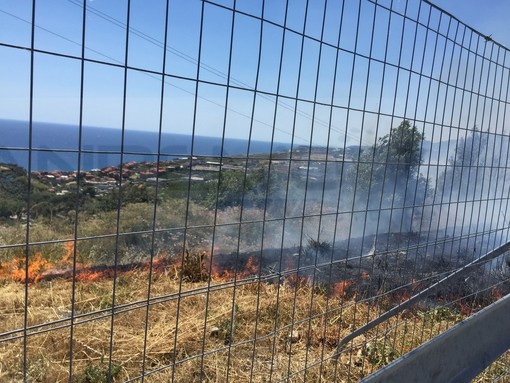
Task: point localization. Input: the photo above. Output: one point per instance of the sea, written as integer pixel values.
(56, 146)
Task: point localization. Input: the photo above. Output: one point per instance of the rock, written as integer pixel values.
(294, 336)
(214, 332)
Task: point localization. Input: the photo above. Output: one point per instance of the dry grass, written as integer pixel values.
(255, 348)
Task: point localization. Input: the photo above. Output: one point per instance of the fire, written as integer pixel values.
(252, 266)
(85, 275)
(69, 253)
(38, 266)
(497, 293)
(224, 267)
(228, 267)
(218, 273)
(295, 281)
(340, 289)
(403, 296)
(160, 265)
(17, 271)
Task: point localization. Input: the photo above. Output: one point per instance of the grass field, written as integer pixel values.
(239, 332)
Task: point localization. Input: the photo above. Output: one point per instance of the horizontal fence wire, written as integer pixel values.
(245, 191)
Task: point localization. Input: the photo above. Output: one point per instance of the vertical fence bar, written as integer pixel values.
(29, 186)
(77, 202)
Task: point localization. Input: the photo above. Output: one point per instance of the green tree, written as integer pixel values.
(387, 174)
(13, 190)
(232, 189)
(399, 151)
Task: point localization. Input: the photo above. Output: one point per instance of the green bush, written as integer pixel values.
(99, 373)
(233, 188)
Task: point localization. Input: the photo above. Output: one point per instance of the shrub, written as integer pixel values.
(99, 373)
(193, 267)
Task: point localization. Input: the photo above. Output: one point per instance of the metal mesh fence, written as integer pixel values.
(237, 190)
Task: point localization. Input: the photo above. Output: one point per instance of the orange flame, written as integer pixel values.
(404, 296)
(93, 275)
(38, 267)
(497, 293)
(340, 289)
(69, 252)
(17, 270)
(296, 282)
(225, 269)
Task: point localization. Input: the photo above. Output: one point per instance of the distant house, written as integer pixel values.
(129, 164)
(159, 171)
(145, 175)
(109, 170)
(173, 168)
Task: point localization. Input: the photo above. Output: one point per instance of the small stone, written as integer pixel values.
(64, 313)
(214, 332)
(294, 336)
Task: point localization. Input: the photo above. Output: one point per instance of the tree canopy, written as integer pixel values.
(395, 157)
(387, 175)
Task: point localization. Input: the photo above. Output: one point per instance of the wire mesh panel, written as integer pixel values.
(238, 190)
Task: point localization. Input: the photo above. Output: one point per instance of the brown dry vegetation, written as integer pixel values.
(255, 348)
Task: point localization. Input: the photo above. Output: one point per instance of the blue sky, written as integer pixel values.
(57, 79)
(488, 17)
